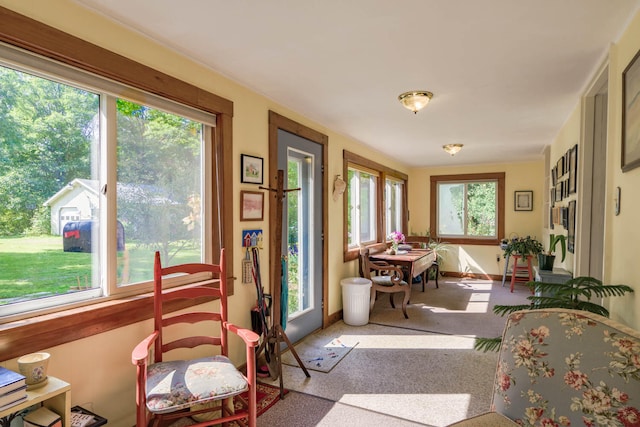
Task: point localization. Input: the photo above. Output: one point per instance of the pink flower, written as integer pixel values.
(540, 333)
(587, 421)
(548, 422)
(564, 421)
(533, 414)
(629, 417)
(635, 360)
(625, 345)
(575, 379)
(504, 382)
(524, 349)
(397, 237)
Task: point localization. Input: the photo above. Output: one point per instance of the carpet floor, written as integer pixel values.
(405, 372)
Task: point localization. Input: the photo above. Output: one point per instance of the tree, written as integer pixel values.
(157, 179)
(45, 142)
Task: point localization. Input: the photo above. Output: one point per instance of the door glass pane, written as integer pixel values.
(299, 245)
(451, 209)
(159, 191)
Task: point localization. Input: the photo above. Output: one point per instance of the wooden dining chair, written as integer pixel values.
(202, 389)
(385, 278)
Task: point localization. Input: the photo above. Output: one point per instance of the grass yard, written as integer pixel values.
(37, 266)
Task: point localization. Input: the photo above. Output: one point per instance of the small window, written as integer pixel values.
(468, 208)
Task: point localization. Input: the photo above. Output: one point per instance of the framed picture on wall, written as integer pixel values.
(523, 200)
(251, 169)
(573, 171)
(251, 206)
(560, 166)
(631, 115)
(571, 229)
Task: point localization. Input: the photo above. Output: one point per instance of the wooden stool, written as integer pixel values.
(521, 268)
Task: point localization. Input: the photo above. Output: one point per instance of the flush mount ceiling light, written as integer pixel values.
(415, 100)
(452, 148)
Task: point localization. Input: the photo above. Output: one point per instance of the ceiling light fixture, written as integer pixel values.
(452, 148)
(415, 100)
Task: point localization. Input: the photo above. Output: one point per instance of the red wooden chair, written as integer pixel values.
(202, 388)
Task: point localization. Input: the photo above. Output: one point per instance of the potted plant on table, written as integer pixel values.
(546, 259)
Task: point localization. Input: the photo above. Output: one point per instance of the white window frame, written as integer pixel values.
(355, 210)
(394, 211)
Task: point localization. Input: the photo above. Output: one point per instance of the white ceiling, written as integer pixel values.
(505, 74)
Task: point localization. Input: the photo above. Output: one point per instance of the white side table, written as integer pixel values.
(55, 395)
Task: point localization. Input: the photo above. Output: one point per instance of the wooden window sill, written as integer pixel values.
(40, 332)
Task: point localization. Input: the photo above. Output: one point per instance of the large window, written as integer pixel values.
(92, 184)
(375, 203)
(468, 208)
(98, 315)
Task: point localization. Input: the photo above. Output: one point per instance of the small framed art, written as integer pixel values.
(251, 169)
(251, 206)
(523, 200)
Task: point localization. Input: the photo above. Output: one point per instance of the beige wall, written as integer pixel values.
(622, 232)
(479, 259)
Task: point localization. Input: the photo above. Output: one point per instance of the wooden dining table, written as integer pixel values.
(416, 262)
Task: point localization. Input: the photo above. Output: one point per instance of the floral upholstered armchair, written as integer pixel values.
(562, 367)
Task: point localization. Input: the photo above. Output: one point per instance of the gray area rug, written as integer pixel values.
(459, 307)
(319, 353)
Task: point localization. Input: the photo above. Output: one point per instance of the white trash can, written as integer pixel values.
(356, 293)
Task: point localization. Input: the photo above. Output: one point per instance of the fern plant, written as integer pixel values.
(573, 294)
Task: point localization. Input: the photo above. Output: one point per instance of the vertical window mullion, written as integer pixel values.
(108, 177)
(465, 211)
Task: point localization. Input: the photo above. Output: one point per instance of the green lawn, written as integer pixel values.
(37, 266)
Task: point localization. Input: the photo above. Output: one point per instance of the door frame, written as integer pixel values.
(277, 121)
(598, 86)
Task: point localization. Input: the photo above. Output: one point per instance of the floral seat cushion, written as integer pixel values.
(384, 281)
(568, 368)
(180, 384)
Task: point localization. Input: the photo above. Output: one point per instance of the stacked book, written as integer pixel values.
(13, 388)
(42, 417)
